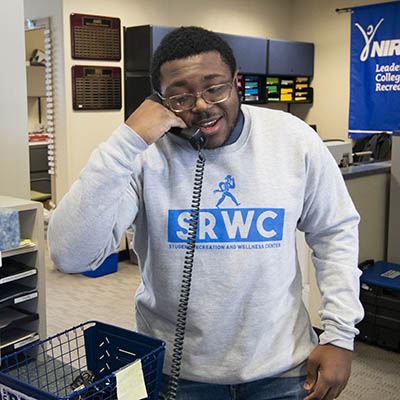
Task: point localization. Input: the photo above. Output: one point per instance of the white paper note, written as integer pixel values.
(392, 274)
(130, 382)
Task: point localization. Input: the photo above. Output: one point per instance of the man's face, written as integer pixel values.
(195, 74)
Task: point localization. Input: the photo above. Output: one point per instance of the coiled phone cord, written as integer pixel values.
(183, 305)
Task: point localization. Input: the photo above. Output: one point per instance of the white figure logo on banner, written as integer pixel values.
(368, 36)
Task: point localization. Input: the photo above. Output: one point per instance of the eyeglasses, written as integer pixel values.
(212, 95)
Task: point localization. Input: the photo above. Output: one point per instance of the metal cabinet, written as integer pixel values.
(38, 164)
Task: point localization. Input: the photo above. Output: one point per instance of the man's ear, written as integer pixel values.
(235, 76)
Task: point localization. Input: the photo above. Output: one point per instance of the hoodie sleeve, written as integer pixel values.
(88, 223)
(330, 222)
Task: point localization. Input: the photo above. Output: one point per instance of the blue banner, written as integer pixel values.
(375, 69)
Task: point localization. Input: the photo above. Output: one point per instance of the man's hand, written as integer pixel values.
(333, 365)
(151, 120)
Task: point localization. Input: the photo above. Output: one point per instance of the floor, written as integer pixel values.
(72, 299)
(75, 298)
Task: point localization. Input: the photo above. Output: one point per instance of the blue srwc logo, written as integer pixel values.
(228, 225)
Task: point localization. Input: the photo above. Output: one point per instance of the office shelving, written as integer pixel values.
(250, 89)
(22, 280)
(262, 89)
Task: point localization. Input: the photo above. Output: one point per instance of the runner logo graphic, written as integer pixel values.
(224, 188)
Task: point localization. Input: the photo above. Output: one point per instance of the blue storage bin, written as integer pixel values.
(53, 368)
(382, 273)
(380, 296)
(110, 265)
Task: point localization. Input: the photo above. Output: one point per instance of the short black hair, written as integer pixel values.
(188, 41)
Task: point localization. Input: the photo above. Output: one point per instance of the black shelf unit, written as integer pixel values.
(18, 303)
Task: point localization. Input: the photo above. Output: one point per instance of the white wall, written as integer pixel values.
(14, 161)
(37, 9)
(317, 21)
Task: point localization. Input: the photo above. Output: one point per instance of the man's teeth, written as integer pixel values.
(211, 123)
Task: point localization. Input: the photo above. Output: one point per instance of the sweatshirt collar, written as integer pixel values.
(237, 130)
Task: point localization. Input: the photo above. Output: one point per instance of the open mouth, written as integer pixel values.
(210, 126)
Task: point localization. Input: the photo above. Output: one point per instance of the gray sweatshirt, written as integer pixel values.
(246, 318)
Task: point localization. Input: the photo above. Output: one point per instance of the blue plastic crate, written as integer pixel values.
(109, 265)
(382, 273)
(49, 369)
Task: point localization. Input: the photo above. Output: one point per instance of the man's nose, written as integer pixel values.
(200, 105)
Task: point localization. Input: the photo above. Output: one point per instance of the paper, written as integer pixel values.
(392, 274)
(130, 382)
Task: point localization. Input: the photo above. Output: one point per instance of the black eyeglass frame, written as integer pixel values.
(198, 94)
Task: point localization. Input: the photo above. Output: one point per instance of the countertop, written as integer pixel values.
(366, 168)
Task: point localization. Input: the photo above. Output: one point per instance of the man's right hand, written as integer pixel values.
(151, 120)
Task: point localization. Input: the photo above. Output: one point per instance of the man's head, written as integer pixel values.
(195, 61)
(185, 42)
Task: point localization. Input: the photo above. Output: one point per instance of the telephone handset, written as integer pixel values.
(194, 135)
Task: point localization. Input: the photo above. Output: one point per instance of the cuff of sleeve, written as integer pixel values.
(337, 337)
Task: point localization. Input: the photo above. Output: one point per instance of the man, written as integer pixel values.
(248, 335)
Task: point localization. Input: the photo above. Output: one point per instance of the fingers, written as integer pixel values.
(151, 120)
(332, 366)
(312, 374)
(325, 390)
(321, 392)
